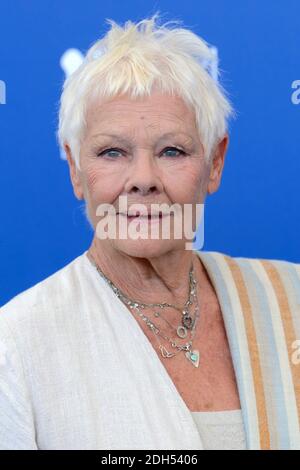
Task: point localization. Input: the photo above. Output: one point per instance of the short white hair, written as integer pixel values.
(133, 59)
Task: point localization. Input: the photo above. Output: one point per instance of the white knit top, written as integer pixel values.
(78, 373)
(221, 430)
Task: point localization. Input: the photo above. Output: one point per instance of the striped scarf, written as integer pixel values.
(260, 303)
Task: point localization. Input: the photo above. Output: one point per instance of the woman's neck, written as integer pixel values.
(149, 280)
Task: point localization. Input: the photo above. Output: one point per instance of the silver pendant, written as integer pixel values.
(187, 321)
(181, 331)
(193, 357)
(164, 352)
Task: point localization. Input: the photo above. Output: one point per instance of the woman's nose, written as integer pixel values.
(143, 175)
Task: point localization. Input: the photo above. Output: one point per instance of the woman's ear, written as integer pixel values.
(217, 164)
(74, 173)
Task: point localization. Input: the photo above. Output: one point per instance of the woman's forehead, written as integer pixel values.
(156, 103)
(169, 114)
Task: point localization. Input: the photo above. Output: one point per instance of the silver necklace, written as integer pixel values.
(187, 321)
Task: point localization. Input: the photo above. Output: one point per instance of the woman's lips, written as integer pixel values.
(144, 218)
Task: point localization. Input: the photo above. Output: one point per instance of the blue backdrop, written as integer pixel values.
(255, 213)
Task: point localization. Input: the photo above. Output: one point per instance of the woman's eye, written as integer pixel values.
(109, 151)
(174, 149)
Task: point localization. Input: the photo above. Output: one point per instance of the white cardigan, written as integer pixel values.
(77, 371)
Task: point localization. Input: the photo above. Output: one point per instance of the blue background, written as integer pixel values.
(255, 213)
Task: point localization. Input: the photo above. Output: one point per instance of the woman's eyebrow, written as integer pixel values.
(119, 138)
(114, 136)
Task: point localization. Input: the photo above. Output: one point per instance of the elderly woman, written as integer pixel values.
(139, 342)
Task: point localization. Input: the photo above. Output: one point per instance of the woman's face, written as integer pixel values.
(149, 151)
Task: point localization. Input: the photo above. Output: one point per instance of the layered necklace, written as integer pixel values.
(186, 326)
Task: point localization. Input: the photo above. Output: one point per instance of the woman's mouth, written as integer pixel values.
(144, 217)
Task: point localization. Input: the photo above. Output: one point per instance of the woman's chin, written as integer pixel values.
(146, 248)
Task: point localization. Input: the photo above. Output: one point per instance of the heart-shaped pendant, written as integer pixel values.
(193, 357)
